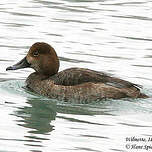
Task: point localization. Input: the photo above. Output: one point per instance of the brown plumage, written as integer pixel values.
(74, 84)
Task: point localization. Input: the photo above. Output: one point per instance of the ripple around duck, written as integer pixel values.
(47, 2)
(24, 14)
(133, 17)
(125, 3)
(135, 38)
(145, 66)
(134, 125)
(73, 60)
(15, 88)
(85, 149)
(14, 46)
(14, 24)
(102, 56)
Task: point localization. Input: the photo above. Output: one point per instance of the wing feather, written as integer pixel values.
(75, 76)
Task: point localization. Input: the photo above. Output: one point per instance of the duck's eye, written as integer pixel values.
(36, 53)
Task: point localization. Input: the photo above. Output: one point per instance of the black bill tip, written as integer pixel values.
(20, 65)
(10, 68)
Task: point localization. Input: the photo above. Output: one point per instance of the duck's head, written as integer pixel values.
(41, 57)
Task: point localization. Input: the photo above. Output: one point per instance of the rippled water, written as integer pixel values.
(105, 35)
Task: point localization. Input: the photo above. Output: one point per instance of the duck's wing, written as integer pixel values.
(75, 76)
(119, 83)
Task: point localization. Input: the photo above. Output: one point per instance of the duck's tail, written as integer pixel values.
(135, 92)
(142, 95)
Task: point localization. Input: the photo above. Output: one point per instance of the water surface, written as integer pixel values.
(104, 35)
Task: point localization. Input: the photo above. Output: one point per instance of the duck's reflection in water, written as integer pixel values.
(37, 117)
(38, 114)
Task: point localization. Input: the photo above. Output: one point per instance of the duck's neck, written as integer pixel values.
(44, 76)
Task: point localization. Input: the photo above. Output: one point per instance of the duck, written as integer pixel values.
(79, 85)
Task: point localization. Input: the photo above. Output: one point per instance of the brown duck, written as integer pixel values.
(74, 84)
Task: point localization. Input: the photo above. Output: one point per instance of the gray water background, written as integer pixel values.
(104, 35)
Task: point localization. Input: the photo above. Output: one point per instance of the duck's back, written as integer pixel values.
(75, 76)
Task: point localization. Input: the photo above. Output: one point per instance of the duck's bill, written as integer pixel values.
(20, 65)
